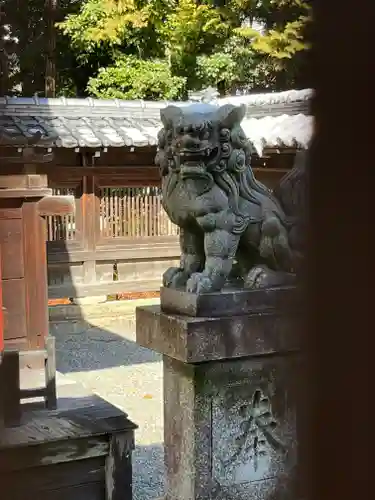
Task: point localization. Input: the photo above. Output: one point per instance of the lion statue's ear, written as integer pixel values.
(230, 115)
(169, 115)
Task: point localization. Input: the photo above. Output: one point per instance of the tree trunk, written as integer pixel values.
(50, 75)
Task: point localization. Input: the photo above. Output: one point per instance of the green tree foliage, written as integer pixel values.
(217, 69)
(283, 41)
(105, 22)
(134, 78)
(104, 30)
(160, 49)
(191, 31)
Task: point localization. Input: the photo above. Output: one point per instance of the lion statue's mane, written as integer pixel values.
(231, 170)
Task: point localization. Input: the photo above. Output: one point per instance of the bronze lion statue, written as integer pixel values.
(232, 227)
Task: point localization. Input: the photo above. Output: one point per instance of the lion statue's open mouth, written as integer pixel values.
(206, 154)
(193, 164)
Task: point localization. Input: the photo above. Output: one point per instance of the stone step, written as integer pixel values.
(104, 311)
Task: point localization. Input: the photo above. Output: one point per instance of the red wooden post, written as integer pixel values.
(1, 348)
(1, 313)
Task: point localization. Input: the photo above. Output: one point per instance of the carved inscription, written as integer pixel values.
(246, 441)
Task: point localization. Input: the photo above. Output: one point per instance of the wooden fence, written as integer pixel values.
(119, 240)
(134, 212)
(130, 212)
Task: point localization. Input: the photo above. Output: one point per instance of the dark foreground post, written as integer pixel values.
(230, 373)
(1, 349)
(339, 328)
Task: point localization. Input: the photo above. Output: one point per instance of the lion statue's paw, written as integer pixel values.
(199, 283)
(175, 277)
(263, 277)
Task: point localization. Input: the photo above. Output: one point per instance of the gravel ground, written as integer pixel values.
(103, 356)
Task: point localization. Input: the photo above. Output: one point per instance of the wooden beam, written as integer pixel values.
(132, 250)
(24, 181)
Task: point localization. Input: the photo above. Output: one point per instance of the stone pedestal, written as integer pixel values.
(230, 392)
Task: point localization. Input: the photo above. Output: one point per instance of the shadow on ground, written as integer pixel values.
(106, 360)
(82, 346)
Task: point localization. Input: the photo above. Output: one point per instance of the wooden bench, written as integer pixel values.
(80, 451)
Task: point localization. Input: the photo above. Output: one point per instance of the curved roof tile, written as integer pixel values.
(273, 119)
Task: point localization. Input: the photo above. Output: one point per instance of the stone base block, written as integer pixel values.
(230, 429)
(228, 302)
(194, 340)
(230, 392)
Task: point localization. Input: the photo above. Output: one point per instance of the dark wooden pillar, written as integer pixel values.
(23, 260)
(24, 200)
(1, 314)
(1, 351)
(35, 259)
(340, 321)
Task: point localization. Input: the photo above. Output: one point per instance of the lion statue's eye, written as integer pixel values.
(225, 134)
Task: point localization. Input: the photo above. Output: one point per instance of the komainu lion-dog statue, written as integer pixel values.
(232, 227)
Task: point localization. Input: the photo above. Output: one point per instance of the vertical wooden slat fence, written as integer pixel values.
(61, 227)
(133, 212)
(119, 240)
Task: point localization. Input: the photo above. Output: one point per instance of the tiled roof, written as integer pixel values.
(271, 98)
(277, 119)
(288, 131)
